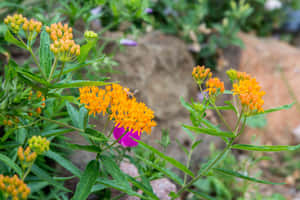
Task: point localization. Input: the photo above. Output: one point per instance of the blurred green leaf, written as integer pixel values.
(11, 39)
(249, 147)
(236, 174)
(209, 131)
(174, 162)
(10, 163)
(78, 83)
(87, 180)
(63, 162)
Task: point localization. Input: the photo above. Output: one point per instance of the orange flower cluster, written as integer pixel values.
(121, 105)
(250, 94)
(200, 73)
(14, 187)
(27, 155)
(31, 26)
(214, 85)
(15, 22)
(63, 44)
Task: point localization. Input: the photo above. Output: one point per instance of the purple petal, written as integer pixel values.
(128, 42)
(148, 10)
(126, 140)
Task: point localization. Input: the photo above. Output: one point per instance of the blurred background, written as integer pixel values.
(151, 46)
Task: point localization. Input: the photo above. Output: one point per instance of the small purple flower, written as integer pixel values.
(128, 42)
(126, 140)
(148, 10)
(96, 11)
(201, 96)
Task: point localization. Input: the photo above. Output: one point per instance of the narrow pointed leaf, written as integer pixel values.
(11, 164)
(64, 163)
(209, 131)
(79, 83)
(87, 180)
(45, 177)
(284, 107)
(174, 162)
(249, 147)
(239, 175)
(11, 39)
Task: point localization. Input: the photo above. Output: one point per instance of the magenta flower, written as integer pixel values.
(126, 140)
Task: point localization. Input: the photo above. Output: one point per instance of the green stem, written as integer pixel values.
(188, 161)
(221, 116)
(62, 124)
(34, 57)
(52, 69)
(61, 71)
(115, 142)
(216, 160)
(27, 171)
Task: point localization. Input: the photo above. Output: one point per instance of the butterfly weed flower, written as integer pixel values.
(200, 73)
(31, 27)
(63, 46)
(250, 95)
(26, 156)
(128, 115)
(14, 22)
(214, 87)
(39, 144)
(14, 187)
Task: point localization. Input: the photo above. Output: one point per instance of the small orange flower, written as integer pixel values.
(214, 85)
(250, 94)
(200, 73)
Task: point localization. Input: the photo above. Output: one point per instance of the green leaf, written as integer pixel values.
(63, 162)
(201, 195)
(89, 148)
(33, 77)
(85, 49)
(44, 176)
(236, 174)
(113, 169)
(46, 55)
(141, 186)
(167, 158)
(11, 164)
(186, 105)
(74, 114)
(98, 187)
(209, 131)
(56, 132)
(165, 171)
(284, 107)
(79, 83)
(87, 180)
(116, 185)
(249, 147)
(195, 144)
(11, 39)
